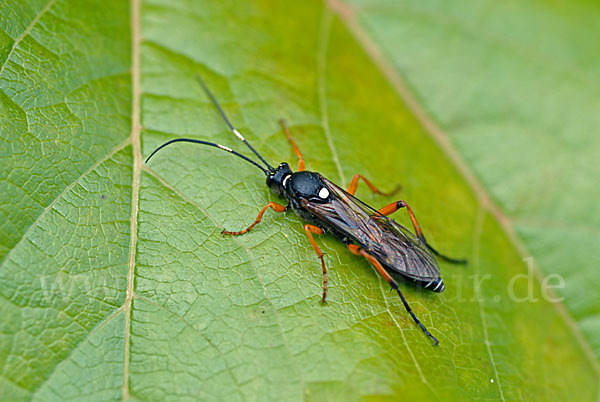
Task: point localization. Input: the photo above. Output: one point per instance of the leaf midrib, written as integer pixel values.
(135, 188)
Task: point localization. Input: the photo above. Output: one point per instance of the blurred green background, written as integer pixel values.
(116, 282)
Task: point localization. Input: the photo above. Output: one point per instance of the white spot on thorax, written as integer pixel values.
(324, 193)
(285, 179)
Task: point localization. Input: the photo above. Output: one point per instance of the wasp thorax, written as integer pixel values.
(307, 185)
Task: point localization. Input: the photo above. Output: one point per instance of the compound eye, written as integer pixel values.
(323, 193)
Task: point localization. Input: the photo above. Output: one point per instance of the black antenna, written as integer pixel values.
(211, 144)
(237, 133)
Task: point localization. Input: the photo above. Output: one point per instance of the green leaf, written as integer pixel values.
(116, 281)
(514, 85)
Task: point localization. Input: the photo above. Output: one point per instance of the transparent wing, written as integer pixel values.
(391, 243)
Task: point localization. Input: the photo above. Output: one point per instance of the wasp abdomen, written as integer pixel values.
(436, 285)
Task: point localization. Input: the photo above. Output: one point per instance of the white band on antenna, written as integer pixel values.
(223, 147)
(237, 134)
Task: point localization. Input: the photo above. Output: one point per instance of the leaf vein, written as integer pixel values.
(59, 197)
(25, 33)
(190, 326)
(476, 247)
(252, 262)
(410, 352)
(322, 47)
(98, 327)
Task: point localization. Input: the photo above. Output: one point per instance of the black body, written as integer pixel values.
(354, 222)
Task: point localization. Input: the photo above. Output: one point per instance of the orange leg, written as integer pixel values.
(310, 229)
(394, 206)
(354, 184)
(276, 207)
(354, 249)
(294, 146)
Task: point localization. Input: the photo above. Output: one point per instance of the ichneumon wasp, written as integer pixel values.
(327, 208)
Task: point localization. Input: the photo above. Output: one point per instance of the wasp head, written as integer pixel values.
(276, 179)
